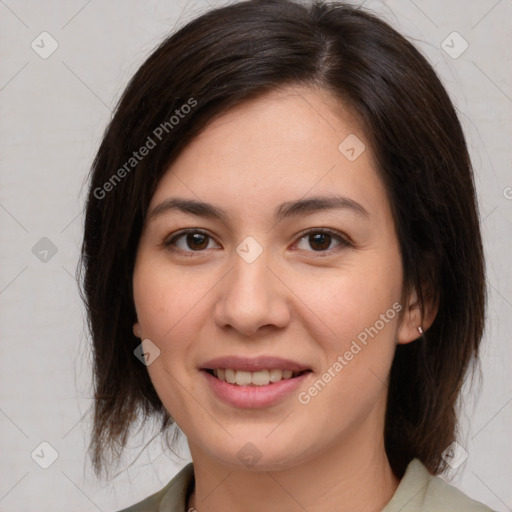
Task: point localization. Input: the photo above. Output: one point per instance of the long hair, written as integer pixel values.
(235, 53)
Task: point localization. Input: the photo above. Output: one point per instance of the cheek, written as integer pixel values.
(356, 310)
(172, 307)
(356, 359)
(164, 297)
(346, 302)
(167, 303)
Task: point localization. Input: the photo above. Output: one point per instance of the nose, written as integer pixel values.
(252, 298)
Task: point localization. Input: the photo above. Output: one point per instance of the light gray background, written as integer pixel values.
(53, 113)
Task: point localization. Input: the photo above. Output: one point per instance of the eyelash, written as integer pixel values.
(343, 241)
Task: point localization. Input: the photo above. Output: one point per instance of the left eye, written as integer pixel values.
(320, 241)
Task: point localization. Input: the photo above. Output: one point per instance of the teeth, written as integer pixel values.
(275, 375)
(287, 374)
(230, 376)
(243, 378)
(260, 378)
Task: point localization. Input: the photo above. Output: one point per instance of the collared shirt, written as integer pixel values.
(418, 491)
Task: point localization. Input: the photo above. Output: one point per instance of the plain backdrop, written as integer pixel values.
(53, 112)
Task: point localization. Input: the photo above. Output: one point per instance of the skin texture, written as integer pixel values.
(293, 302)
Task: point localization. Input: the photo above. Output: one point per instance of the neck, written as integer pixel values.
(350, 476)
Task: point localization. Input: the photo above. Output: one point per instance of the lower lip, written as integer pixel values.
(253, 396)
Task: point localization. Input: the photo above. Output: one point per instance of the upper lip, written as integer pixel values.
(253, 364)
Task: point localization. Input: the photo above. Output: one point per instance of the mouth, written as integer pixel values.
(263, 377)
(254, 382)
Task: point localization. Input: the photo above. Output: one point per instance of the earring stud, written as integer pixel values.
(420, 329)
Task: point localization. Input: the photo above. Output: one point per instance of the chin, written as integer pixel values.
(258, 453)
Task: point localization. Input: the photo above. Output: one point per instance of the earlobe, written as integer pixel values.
(136, 329)
(416, 319)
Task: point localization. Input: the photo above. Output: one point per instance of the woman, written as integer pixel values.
(279, 232)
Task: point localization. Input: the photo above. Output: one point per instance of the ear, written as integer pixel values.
(136, 329)
(416, 316)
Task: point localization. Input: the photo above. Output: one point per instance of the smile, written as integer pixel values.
(259, 378)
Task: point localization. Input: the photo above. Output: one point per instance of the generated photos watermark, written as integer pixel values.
(305, 397)
(151, 142)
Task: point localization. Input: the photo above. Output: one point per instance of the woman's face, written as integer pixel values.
(292, 264)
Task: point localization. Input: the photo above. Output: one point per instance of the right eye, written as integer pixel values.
(189, 240)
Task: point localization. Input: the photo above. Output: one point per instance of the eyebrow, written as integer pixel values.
(284, 210)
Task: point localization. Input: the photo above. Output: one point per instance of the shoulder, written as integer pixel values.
(172, 498)
(420, 491)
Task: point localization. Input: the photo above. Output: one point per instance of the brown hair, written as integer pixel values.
(238, 52)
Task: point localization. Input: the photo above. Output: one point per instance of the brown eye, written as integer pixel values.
(321, 240)
(190, 241)
(196, 241)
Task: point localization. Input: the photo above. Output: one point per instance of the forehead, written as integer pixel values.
(294, 118)
(280, 145)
